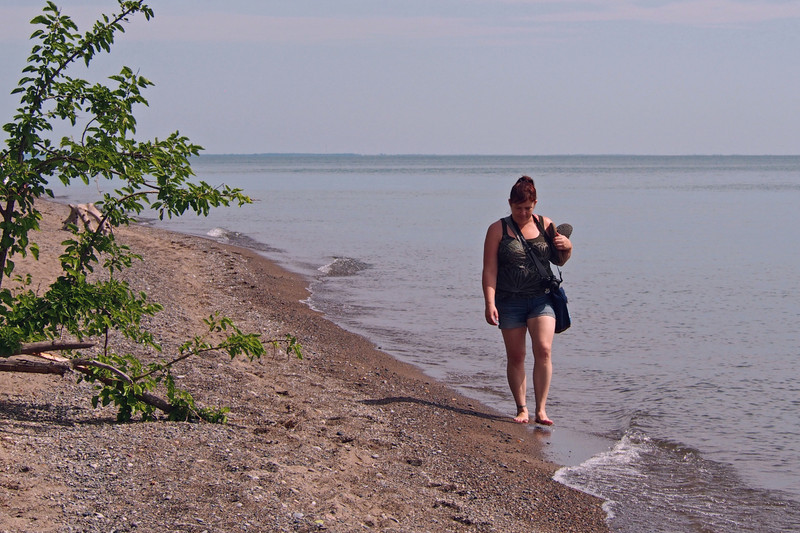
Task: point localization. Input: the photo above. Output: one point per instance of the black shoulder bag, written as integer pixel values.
(557, 295)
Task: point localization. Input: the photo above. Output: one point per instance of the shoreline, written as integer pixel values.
(344, 439)
(562, 446)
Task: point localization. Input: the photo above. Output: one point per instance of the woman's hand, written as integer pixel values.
(562, 243)
(564, 248)
(491, 315)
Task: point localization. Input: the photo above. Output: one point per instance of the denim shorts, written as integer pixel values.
(515, 312)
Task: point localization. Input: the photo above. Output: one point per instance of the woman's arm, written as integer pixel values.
(489, 277)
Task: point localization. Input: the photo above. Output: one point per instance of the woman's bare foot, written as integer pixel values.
(541, 418)
(522, 415)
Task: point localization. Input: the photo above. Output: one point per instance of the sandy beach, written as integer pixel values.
(346, 439)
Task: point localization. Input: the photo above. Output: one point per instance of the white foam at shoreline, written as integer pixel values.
(219, 233)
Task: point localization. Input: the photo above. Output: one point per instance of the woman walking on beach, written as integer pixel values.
(516, 297)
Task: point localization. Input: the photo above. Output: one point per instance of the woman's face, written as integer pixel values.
(522, 211)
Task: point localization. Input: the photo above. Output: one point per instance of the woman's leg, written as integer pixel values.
(542, 331)
(515, 369)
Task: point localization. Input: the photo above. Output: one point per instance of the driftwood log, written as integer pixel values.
(89, 215)
(34, 348)
(34, 367)
(60, 365)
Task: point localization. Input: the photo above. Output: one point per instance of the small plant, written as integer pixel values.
(82, 307)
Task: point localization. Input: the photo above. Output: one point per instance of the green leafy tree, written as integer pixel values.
(81, 308)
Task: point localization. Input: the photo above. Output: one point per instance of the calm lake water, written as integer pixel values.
(675, 392)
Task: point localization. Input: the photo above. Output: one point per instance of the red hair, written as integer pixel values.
(523, 191)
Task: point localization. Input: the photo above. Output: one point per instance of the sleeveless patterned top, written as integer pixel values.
(517, 276)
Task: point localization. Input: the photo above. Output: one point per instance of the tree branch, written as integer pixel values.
(81, 365)
(34, 367)
(50, 346)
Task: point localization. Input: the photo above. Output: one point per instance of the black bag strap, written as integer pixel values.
(531, 254)
(546, 235)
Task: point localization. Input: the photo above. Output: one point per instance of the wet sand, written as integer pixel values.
(346, 439)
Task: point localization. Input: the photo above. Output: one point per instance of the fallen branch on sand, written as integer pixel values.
(128, 384)
(61, 366)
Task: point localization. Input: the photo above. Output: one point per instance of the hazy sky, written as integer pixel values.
(454, 76)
